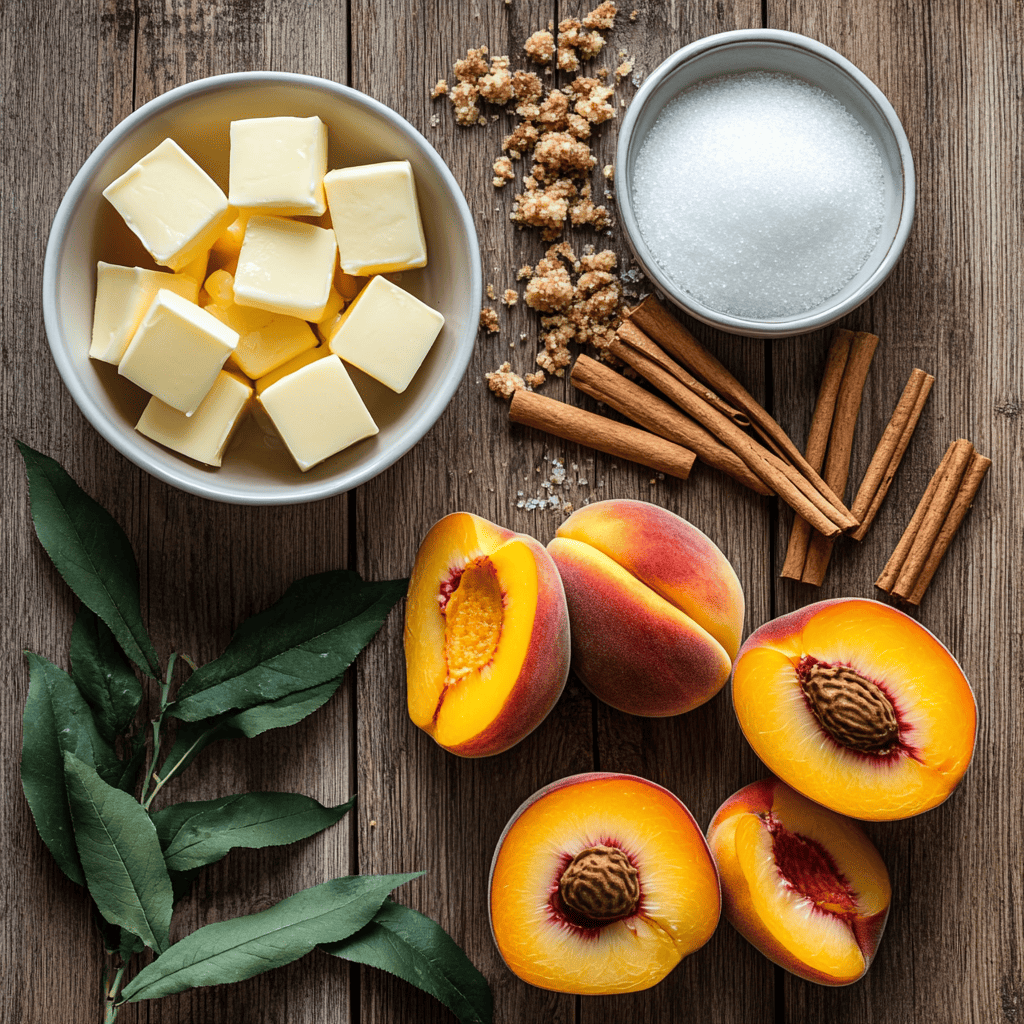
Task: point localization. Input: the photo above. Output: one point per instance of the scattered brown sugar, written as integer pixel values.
(550, 289)
(540, 47)
(503, 382)
(524, 271)
(634, 14)
(490, 292)
(534, 380)
(441, 89)
(503, 172)
(623, 70)
(603, 16)
(496, 86)
(472, 67)
(464, 97)
(489, 320)
(510, 297)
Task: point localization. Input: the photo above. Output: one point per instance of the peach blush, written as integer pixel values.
(600, 884)
(858, 707)
(656, 609)
(802, 884)
(486, 636)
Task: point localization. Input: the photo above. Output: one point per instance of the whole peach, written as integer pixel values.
(655, 607)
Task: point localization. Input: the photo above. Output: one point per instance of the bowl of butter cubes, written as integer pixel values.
(263, 288)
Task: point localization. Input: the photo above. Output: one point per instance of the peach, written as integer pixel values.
(656, 609)
(486, 636)
(858, 707)
(803, 885)
(600, 884)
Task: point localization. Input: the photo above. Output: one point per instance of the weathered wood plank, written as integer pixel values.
(952, 951)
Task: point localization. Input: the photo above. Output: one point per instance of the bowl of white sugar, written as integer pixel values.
(765, 184)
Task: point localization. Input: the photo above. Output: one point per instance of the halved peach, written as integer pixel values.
(655, 607)
(802, 884)
(601, 883)
(858, 707)
(486, 636)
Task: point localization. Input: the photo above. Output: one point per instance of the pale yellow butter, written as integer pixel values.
(172, 204)
(265, 340)
(317, 411)
(123, 294)
(205, 434)
(177, 352)
(387, 333)
(277, 165)
(310, 355)
(286, 266)
(376, 218)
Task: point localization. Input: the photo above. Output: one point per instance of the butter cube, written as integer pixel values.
(376, 218)
(265, 340)
(286, 267)
(172, 204)
(317, 411)
(123, 294)
(278, 165)
(387, 333)
(205, 434)
(177, 352)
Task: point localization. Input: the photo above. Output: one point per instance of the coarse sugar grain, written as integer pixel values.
(758, 194)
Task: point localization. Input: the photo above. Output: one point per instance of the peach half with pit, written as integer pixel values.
(655, 607)
(802, 884)
(600, 884)
(858, 707)
(486, 636)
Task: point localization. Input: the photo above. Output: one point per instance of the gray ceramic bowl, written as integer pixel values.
(257, 468)
(774, 51)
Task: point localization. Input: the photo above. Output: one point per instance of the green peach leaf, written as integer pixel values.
(120, 854)
(196, 834)
(310, 636)
(246, 946)
(91, 552)
(408, 944)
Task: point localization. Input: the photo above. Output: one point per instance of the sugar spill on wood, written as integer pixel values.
(758, 194)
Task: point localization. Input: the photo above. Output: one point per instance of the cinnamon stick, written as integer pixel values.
(890, 574)
(889, 453)
(840, 441)
(606, 385)
(655, 321)
(817, 443)
(636, 338)
(599, 432)
(783, 479)
(934, 519)
(975, 473)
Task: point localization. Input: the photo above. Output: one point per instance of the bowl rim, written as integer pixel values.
(801, 324)
(300, 492)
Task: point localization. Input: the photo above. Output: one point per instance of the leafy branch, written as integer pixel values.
(81, 759)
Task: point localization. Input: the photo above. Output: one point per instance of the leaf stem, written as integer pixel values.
(110, 997)
(158, 722)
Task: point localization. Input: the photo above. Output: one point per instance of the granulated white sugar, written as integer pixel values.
(758, 194)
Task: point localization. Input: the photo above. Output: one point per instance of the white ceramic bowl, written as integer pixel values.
(813, 62)
(257, 468)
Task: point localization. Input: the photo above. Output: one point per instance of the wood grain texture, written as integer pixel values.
(953, 950)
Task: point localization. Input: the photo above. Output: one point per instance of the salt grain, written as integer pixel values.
(760, 195)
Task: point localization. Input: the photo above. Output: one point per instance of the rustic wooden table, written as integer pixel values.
(954, 949)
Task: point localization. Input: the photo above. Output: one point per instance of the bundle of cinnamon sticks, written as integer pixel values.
(702, 411)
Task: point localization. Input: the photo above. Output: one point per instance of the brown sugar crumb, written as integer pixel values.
(503, 382)
(490, 291)
(472, 67)
(526, 87)
(496, 85)
(534, 380)
(441, 89)
(592, 100)
(559, 155)
(634, 14)
(550, 289)
(489, 320)
(609, 172)
(522, 140)
(603, 16)
(623, 70)
(583, 211)
(540, 47)
(464, 97)
(524, 271)
(510, 297)
(503, 172)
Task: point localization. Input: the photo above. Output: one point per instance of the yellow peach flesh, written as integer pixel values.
(929, 694)
(679, 906)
